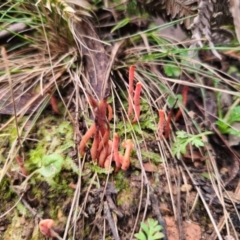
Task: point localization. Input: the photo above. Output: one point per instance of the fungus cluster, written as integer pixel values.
(121, 161)
(46, 226)
(104, 150)
(133, 101)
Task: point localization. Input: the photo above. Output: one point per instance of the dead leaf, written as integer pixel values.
(96, 58)
(21, 101)
(149, 167)
(192, 231)
(186, 187)
(234, 140)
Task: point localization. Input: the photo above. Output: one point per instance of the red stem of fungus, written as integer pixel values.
(137, 101)
(161, 123)
(115, 152)
(104, 138)
(94, 152)
(126, 158)
(92, 101)
(91, 131)
(184, 101)
(109, 155)
(107, 162)
(45, 227)
(110, 112)
(130, 90)
(110, 147)
(101, 112)
(167, 129)
(53, 102)
(103, 156)
(21, 165)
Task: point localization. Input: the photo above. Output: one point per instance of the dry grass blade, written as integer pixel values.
(5, 59)
(97, 60)
(235, 9)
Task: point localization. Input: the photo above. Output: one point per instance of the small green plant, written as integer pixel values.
(147, 123)
(48, 156)
(183, 139)
(231, 117)
(172, 70)
(150, 231)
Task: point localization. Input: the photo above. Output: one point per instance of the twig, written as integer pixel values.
(179, 217)
(157, 213)
(15, 27)
(5, 60)
(113, 207)
(112, 226)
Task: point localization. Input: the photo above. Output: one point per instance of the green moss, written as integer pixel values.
(10, 134)
(48, 157)
(121, 181)
(7, 196)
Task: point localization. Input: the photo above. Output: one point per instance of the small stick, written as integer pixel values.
(157, 213)
(6, 63)
(137, 102)
(113, 207)
(130, 90)
(111, 222)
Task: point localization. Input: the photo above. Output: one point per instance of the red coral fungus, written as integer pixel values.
(128, 145)
(184, 102)
(91, 131)
(137, 102)
(161, 123)
(45, 227)
(130, 90)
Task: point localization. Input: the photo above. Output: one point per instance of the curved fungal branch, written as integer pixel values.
(91, 131)
(137, 102)
(128, 145)
(184, 102)
(46, 226)
(130, 90)
(94, 148)
(161, 123)
(116, 155)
